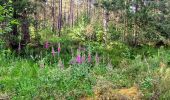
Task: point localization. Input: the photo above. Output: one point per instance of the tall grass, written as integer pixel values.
(24, 78)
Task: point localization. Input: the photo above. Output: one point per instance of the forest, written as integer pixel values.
(84, 49)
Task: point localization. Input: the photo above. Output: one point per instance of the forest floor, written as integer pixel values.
(106, 92)
(134, 76)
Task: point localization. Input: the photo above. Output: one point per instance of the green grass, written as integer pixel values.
(22, 78)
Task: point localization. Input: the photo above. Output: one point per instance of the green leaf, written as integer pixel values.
(14, 22)
(1, 18)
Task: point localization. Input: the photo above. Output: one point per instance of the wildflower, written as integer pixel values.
(53, 51)
(89, 57)
(78, 58)
(97, 59)
(46, 44)
(59, 48)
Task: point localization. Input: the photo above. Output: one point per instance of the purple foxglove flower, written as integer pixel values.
(59, 48)
(78, 59)
(53, 51)
(46, 44)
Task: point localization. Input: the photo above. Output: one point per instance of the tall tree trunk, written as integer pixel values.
(90, 9)
(135, 24)
(14, 34)
(105, 25)
(60, 18)
(65, 14)
(44, 15)
(53, 15)
(77, 12)
(126, 20)
(71, 13)
(87, 9)
(36, 22)
(25, 29)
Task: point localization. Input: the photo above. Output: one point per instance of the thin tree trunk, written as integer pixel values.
(126, 20)
(60, 18)
(65, 15)
(71, 13)
(105, 24)
(14, 34)
(135, 25)
(87, 9)
(44, 14)
(53, 15)
(90, 8)
(36, 22)
(25, 29)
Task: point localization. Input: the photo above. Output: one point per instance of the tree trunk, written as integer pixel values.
(60, 18)
(126, 20)
(53, 16)
(25, 29)
(14, 34)
(105, 25)
(71, 13)
(44, 15)
(135, 25)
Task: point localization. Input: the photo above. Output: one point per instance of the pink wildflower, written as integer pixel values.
(78, 59)
(97, 59)
(53, 51)
(59, 48)
(46, 44)
(89, 57)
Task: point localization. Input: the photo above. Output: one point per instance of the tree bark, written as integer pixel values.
(71, 13)
(14, 34)
(105, 25)
(25, 29)
(60, 18)
(53, 15)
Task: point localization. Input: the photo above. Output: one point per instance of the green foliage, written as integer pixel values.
(34, 73)
(6, 16)
(24, 78)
